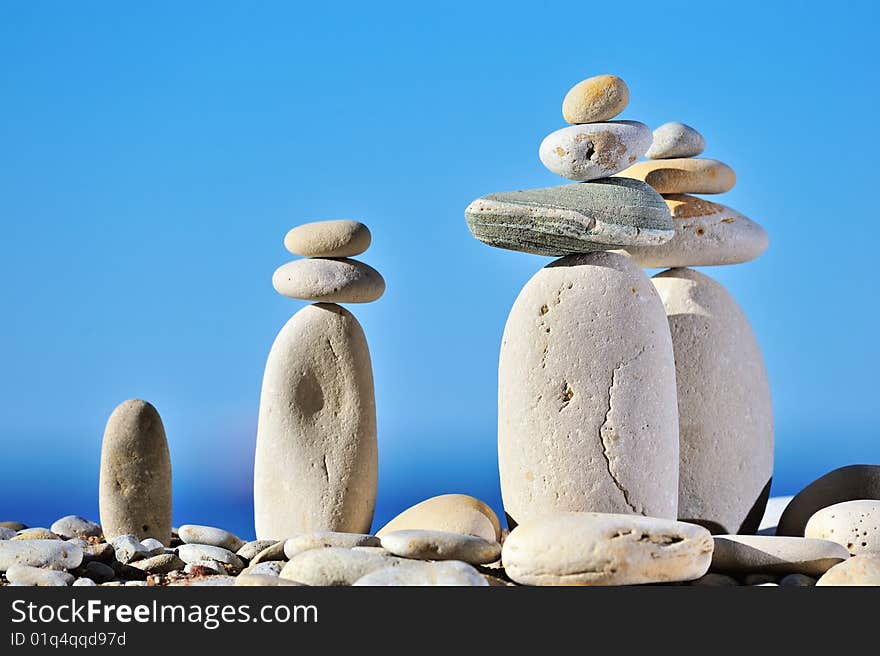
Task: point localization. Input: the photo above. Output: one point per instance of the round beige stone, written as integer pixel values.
(316, 464)
(453, 513)
(771, 554)
(135, 479)
(337, 238)
(329, 281)
(706, 234)
(440, 545)
(691, 175)
(853, 524)
(863, 570)
(597, 98)
(605, 549)
(587, 411)
(725, 414)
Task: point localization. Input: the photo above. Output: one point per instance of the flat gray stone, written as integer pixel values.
(216, 537)
(161, 564)
(75, 527)
(576, 218)
(675, 139)
(53, 554)
(28, 575)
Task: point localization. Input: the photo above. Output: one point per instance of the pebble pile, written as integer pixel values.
(635, 429)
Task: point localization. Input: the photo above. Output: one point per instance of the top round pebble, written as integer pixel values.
(598, 98)
(675, 139)
(338, 238)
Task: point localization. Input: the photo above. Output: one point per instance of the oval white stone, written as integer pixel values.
(587, 414)
(853, 524)
(594, 150)
(316, 465)
(724, 408)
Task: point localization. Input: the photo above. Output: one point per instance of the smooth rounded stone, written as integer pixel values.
(453, 513)
(587, 410)
(797, 581)
(760, 579)
(676, 139)
(597, 98)
(73, 526)
(84, 582)
(249, 550)
(100, 551)
(573, 548)
(35, 534)
(595, 150)
(15, 526)
(51, 554)
(854, 524)
(714, 580)
(127, 549)
(336, 238)
(320, 539)
(440, 545)
(193, 553)
(271, 553)
(575, 218)
(99, 572)
(28, 575)
(153, 546)
(447, 573)
(161, 564)
(844, 484)
(216, 537)
(316, 465)
(327, 280)
(205, 568)
(268, 568)
(752, 554)
(263, 580)
(135, 481)
(334, 566)
(863, 569)
(6, 533)
(205, 582)
(725, 413)
(706, 234)
(684, 175)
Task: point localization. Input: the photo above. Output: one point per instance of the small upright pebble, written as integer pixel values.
(127, 549)
(854, 524)
(597, 98)
(29, 575)
(135, 480)
(440, 545)
(320, 539)
(863, 569)
(36, 533)
(337, 238)
(595, 150)
(216, 537)
(323, 280)
(843, 484)
(683, 175)
(764, 554)
(676, 140)
(51, 554)
(446, 573)
(454, 513)
(574, 548)
(75, 527)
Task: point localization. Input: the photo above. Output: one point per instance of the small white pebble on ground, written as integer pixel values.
(209, 535)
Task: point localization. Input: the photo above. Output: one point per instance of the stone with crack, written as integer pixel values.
(572, 548)
(587, 411)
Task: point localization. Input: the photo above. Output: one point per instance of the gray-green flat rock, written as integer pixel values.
(576, 218)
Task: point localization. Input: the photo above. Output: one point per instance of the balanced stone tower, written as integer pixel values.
(316, 464)
(725, 413)
(587, 411)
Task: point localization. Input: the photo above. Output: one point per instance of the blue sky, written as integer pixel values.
(152, 158)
